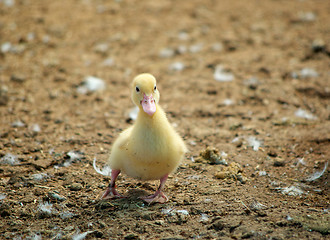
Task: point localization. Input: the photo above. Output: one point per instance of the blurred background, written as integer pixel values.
(249, 80)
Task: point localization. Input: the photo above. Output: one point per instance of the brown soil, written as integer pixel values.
(49, 47)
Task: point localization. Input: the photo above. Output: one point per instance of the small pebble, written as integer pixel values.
(55, 196)
(279, 162)
(318, 45)
(17, 78)
(75, 187)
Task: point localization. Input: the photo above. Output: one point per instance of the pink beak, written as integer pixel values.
(148, 104)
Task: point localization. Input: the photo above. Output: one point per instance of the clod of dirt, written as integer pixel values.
(279, 162)
(3, 96)
(4, 210)
(212, 156)
(217, 225)
(56, 197)
(18, 78)
(131, 237)
(272, 153)
(75, 187)
(233, 171)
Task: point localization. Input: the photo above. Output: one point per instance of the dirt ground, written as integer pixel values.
(245, 84)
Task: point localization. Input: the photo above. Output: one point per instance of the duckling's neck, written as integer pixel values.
(157, 118)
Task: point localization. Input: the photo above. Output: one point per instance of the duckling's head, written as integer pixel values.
(145, 93)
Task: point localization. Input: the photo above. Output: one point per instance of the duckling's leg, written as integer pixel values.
(111, 191)
(158, 196)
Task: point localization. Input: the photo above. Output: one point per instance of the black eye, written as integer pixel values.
(155, 88)
(137, 89)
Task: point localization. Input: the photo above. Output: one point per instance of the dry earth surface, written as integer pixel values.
(248, 78)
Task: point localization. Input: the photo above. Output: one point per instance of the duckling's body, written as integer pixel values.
(150, 149)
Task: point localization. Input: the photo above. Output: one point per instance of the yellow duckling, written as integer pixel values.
(150, 149)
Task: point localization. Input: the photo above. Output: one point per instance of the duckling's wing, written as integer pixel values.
(119, 150)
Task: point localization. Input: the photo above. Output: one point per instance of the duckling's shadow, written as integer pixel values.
(136, 193)
(132, 196)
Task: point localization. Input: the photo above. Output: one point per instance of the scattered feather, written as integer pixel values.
(91, 84)
(80, 236)
(34, 236)
(35, 128)
(45, 208)
(317, 174)
(40, 176)
(301, 161)
(194, 177)
(106, 170)
(228, 102)
(221, 75)
(254, 143)
(307, 16)
(292, 191)
(255, 205)
(183, 36)
(217, 47)
(101, 48)
(74, 155)
(182, 49)
(176, 66)
(172, 211)
(308, 73)
(6, 47)
(184, 212)
(196, 48)
(168, 211)
(9, 159)
(192, 143)
(8, 3)
(289, 218)
(2, 196)
(66, 215)
(304, 114)
(108, 62)
(18, 123)
(46, 39)
(71, 157)
(167, 53)
(30, 36)
(133, 113)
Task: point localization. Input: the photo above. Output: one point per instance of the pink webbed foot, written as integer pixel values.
(111, 193)
(158, 197)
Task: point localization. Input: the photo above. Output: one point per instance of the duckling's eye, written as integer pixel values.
(137, 89)
(155, 88)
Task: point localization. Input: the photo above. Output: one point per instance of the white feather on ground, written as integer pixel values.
(106, 170)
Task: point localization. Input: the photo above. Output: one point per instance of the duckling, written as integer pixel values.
(150, 149)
